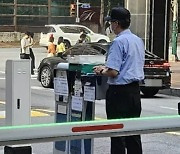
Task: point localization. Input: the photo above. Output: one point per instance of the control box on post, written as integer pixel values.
(76, 88)
(18, 92)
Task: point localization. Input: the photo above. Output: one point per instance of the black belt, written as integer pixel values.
(132, 84)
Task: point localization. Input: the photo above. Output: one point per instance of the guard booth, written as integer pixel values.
(76, 89)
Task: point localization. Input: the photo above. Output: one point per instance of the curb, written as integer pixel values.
(172, 91)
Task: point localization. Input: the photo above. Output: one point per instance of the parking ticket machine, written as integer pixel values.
(76, 89)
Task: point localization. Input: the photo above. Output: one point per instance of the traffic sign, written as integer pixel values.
(85, 5)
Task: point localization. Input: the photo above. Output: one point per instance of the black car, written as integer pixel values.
(157, 70)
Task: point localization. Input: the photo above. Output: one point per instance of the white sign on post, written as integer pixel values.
(85, 5)
(89, 93)
(77, 103)
(61, 84)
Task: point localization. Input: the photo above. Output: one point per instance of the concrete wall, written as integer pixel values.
(15, 36)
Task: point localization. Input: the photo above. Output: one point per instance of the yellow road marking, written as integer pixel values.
(174, 133)
(33, 114)
(97, 118)
(2, 102)
(38, 114)
(43, 110)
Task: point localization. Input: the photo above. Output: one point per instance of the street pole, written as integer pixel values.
(101, 21)
(49, 11)
(15, 15)
(77, 12)
(174, 28)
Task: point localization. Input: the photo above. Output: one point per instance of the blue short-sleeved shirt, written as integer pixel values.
(126, 55)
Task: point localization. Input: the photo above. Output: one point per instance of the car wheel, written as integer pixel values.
(102, 41)
(46, 77)
(67, 44)
(149, 92)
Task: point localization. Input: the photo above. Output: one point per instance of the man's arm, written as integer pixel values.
(102, 70)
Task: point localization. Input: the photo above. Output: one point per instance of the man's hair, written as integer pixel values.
(31, 34)
(28, 33)
(121, 15)
(125, 23)
(60, 39)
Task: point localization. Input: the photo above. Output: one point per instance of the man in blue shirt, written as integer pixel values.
(124, 68)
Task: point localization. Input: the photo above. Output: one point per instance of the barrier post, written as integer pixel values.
(18, 99)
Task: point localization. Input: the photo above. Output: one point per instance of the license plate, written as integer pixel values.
(153, 82)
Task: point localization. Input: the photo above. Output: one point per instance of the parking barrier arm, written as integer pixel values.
(88, 129)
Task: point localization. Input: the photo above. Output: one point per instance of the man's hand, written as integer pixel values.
(103, 70)
(99, 69)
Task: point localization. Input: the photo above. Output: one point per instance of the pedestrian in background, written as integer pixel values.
(25, 54)
(51, 47)
(87, 39)
(82, 39)
(31, 43)
(124, 68)
(108, 30)
(60, 49)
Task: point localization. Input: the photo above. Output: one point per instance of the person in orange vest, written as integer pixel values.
(51, 47)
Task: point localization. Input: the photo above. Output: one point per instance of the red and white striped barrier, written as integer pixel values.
(88, 129)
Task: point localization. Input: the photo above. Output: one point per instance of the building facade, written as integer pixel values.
(17, 15)
(150, 18)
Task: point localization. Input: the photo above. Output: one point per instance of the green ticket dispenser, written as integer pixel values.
(76, 89)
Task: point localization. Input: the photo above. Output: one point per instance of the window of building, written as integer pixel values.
(61, 2)
(60, 11)
(32, 21)
(6, 1)
(6, 20)
(32, 10)
(6, 10)
(40, 2)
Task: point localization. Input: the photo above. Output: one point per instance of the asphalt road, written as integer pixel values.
(43, 112)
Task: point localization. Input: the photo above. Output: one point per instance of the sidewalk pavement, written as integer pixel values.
(175, 80)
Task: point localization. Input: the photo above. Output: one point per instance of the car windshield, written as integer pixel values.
(95, 49)
(74, 29)
(84, 30)
(69, 29)
(149, 55)
(48, 30)
(85, 49)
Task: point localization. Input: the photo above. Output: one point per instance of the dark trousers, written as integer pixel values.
(123, 101)
(32, 60)
(30, 56)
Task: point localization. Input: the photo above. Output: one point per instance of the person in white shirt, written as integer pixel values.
(25, 47)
